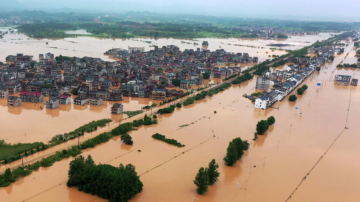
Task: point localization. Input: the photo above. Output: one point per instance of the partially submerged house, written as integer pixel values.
(117, 108)
(53, 103)
(97, 101)
(159, 94)
(354, 82)
(64, 99)
(81, 100)
(266, 100)
(14, 101)
(342, 80)
(4, 92)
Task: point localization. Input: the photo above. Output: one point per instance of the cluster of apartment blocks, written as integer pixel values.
(281, 89)
(293, 75)
(136, 75)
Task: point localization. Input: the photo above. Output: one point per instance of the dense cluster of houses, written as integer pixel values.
(285, 81)
(136, 74)
(325, 52)
(281, 86)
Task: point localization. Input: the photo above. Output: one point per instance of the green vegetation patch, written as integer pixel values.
(92, 126)
(166, 110)
(16, 149)
(11, 176)
(169, 141)
(133, 113)
(108, 182)
(245, 77)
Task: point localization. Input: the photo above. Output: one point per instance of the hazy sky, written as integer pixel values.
(306, 9)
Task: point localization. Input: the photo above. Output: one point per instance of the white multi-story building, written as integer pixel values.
(283, 89)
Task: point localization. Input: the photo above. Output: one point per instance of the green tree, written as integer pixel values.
(89, 161)
(178, 105)
(8, 177)
(331, 58)
(75, 91)
(300, 91)
(292, 98)
(212, 172)
(126, 138)
(206, 75)
(239, 147)
(176, 82)
(246, 145)
(77, 167)
(201, 181)
(147, 120)
(261, 127)
(2, 142)
(32, 64)
(271, 120)
(46, 86)
(304, 87)
(159, 70)
(231, 155)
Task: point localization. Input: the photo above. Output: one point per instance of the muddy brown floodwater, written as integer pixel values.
(42, 124)
(315, 145)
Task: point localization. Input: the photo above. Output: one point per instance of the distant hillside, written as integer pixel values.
(10, 5)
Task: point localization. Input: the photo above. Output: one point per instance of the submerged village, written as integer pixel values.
(200, 130)
(158, 74)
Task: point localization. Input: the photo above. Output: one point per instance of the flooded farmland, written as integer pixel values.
(312, 157)
(69, 117)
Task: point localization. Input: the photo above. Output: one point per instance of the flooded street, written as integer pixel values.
(308, 158)
(42, 124)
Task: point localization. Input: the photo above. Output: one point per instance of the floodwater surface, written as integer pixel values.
(42, 124)
(312, 157)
